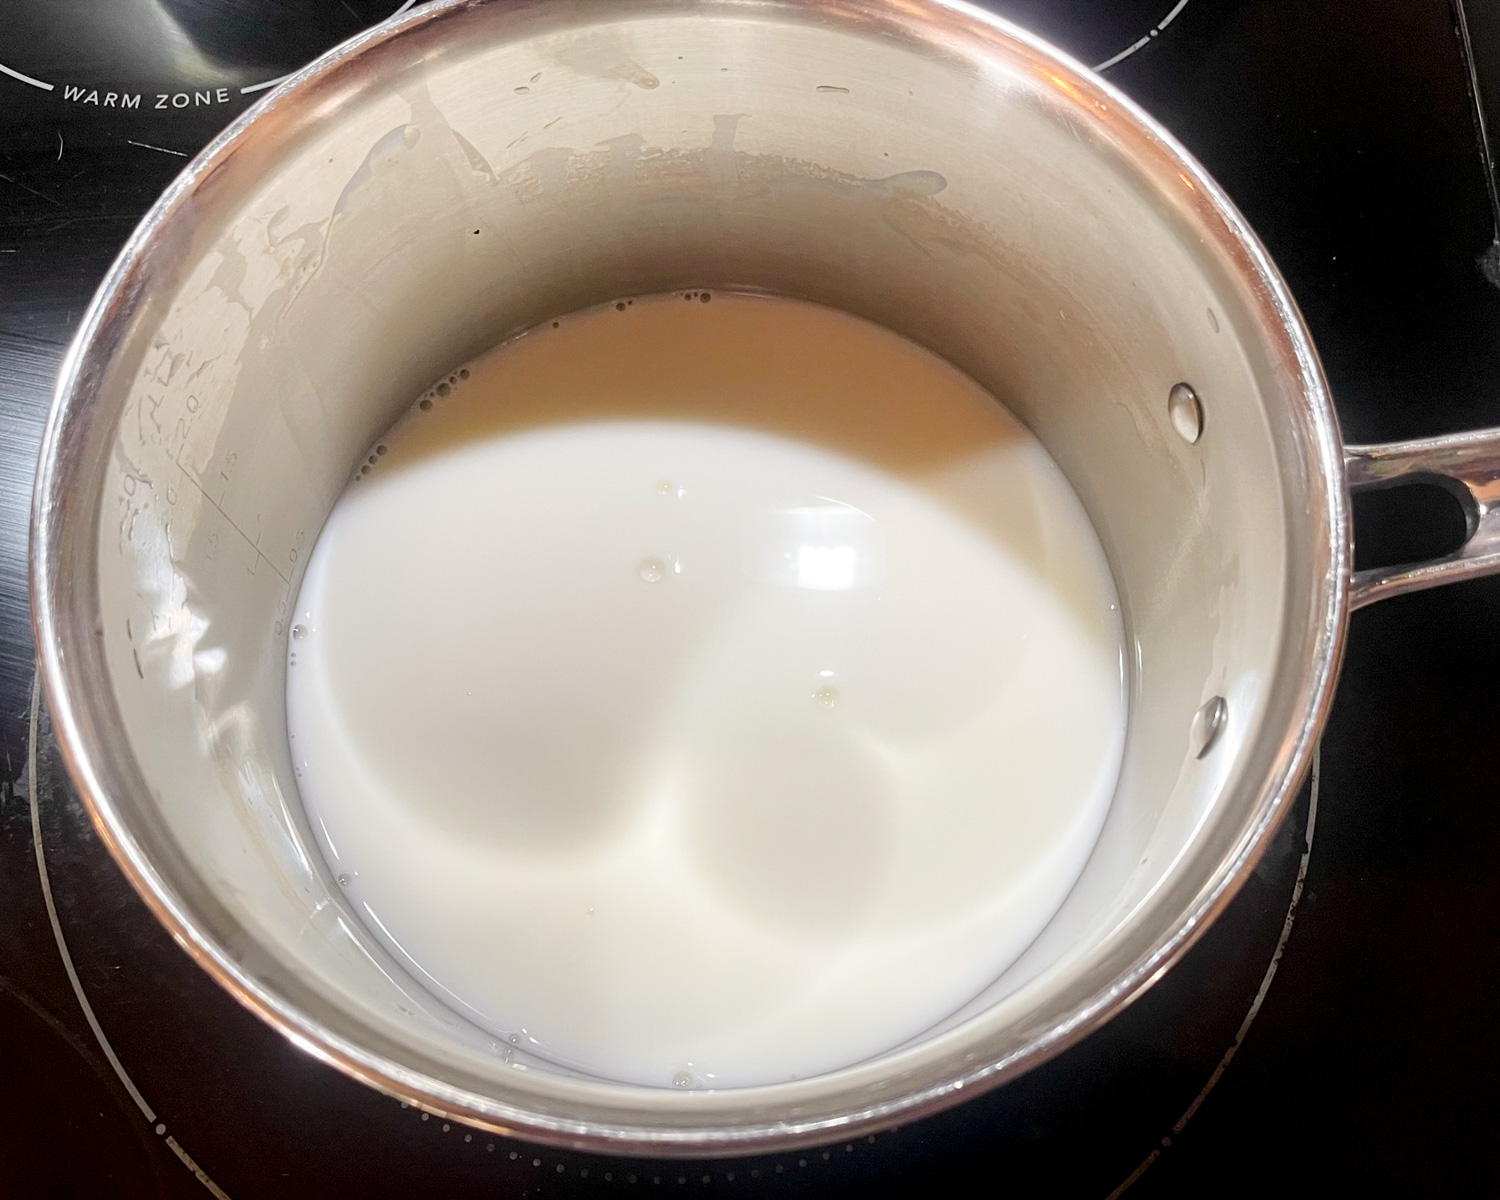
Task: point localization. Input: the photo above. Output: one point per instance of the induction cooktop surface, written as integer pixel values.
(1334, 1029)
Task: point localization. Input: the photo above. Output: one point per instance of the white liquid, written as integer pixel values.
(707, 694)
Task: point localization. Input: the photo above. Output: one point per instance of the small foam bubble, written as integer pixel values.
(652, 570)
(827, 696)
(299, 632)
(425, 404)
(464, 373)
(443, 389)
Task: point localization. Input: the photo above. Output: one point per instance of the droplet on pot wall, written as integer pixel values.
(1185, 412)
(1208, 724)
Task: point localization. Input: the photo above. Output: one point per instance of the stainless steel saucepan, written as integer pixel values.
(473, 168)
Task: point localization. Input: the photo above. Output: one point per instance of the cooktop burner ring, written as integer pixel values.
(44, 775)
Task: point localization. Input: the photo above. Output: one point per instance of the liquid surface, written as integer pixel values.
(706, 694)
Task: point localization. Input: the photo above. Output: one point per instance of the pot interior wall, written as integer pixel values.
(505, 164)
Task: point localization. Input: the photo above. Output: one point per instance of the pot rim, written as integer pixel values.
(77, 710)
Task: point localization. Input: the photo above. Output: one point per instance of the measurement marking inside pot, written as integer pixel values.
(1260, 994)
(254, 544)
(67, 957)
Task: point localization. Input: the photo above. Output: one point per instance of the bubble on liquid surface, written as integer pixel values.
(683, 1079)
(827, 696)
(652, 570)
(299, 632)
(345, 879)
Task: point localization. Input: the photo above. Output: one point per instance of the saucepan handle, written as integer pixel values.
(1467, 465)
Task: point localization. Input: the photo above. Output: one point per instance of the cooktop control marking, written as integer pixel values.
(14, 74)
(197, 97)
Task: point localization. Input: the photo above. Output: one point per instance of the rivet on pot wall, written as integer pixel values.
(1208, 724)
(1186, 412)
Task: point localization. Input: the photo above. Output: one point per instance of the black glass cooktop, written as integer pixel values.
(1335, 1032)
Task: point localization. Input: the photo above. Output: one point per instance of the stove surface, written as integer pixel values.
(1333, 1030)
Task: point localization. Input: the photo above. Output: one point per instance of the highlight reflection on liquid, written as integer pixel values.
(822, 546)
